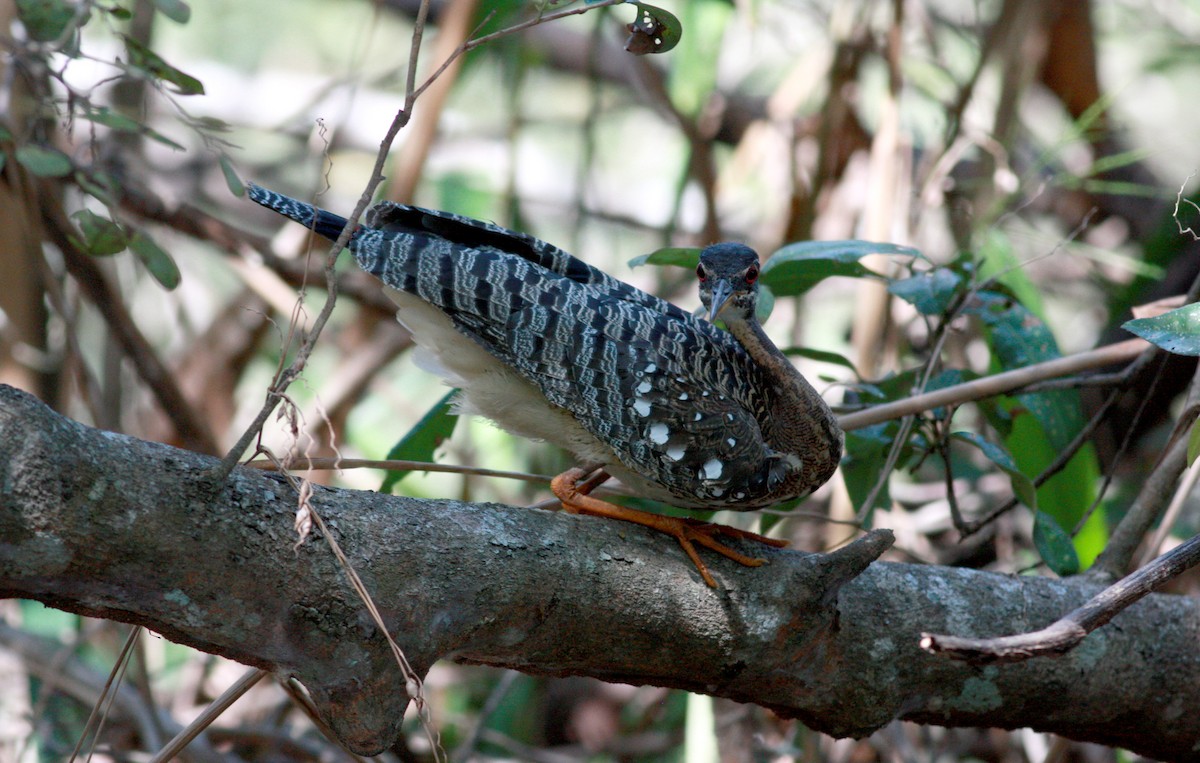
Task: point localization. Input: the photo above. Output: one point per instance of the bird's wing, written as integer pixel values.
(615, 364)
(482, 236)
(650, 387)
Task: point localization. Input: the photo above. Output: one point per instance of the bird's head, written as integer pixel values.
(728, 276)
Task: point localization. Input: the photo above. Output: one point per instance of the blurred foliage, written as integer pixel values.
(757, 121)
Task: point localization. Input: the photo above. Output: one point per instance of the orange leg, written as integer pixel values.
(576, 500)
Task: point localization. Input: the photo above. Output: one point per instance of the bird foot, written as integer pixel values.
(689, 532)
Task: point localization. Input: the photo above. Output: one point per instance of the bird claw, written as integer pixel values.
(689, 532)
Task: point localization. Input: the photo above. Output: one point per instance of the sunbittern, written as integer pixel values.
(553, 349)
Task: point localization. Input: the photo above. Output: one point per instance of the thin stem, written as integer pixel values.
(1064, 634)
(210, 714)
(289, 374)
(283, 380)
(997, 384)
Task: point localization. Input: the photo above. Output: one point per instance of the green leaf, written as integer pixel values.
(683, 256)
(1018, 338)
(998, 261)
(653, 31)
(236, 187)
(692, 76)
(1022, 486)
(765, 304)
(101, 236)
(112, 119)
(155, 258)
(147, 60)
(823, 356)
(116, 121)
(1177, 331)
(434, 428)
(5, 134)
(931, 293)
(102, 186)
(211, 124)
(1066, 496)
(45, 20)
(1054, 545)
(44, 161)
(176, 10)
(798, 267)
(1193, 449)
(862, 466)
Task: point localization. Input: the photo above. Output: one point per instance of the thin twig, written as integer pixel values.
(1156, 491)
(284, 379)
(191, 428)
(108, 694)
(1151, 500)
(332, 464)
(210, 714)
(466, 748)
(1064, 634)
(413, 683)
(1057, 465)
(1182, 493)
(997, 384)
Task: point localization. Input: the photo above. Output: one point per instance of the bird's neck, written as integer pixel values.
(760, 347)
(799, 421)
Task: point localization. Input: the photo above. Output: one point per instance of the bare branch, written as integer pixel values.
(1064, 634)
(997, 384)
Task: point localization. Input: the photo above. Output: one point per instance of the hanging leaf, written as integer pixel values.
(210, 124)
(155, 258)
(1022, 486)
(236, 187)
(101, 236)
(798, 267)
(765, 304)
(824, 356)
(116, 121)
(148, 61)
(1177, 331)
(1019, 338)
(653, 31)
(434, 428)
(862, 466)
(931, 293)
(175, 10)
(44, 161)
(1054, 545)
(683, 256)
(1193, 448)
(102, 186)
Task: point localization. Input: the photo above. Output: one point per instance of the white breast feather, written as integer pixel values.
(489, 387)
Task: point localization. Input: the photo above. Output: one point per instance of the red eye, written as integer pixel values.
(700, 273)
(751, 275)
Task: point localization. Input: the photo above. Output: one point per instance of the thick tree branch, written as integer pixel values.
(112, 526)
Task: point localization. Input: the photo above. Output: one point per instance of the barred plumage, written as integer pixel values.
(673, 406)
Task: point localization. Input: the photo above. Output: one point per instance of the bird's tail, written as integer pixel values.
(323, 223)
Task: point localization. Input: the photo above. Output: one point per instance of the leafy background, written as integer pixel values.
(1029, 207)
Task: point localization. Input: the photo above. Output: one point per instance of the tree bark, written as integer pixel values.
(111, 526)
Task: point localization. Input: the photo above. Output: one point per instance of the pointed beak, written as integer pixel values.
(721, 290)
